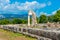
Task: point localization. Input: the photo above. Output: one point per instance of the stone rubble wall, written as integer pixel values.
(40, 34)
(53, 25)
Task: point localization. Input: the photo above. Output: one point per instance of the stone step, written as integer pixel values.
(38, 37)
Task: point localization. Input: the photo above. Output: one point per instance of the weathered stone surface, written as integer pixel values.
(43, 38)
(19, 29)
(52, 34)
(24, 30)
(34, 21)
(48, 34)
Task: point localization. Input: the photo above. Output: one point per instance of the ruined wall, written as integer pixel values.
(38, 25)
(40, 34)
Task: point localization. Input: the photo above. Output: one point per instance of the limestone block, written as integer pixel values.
(43, 38)
(15, 29)
(24, 30)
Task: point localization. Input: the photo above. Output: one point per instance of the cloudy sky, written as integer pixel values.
(48, 7)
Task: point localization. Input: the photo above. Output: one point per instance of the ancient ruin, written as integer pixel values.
(34, 21)
(46, 31)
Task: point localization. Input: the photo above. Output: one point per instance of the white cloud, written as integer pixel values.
(4, 2)
(20, 6)
(7, 1)
(53, 12)
(31, 5)
(43, 5)
(45, 13)
(16, 7)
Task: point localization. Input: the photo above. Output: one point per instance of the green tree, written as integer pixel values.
(17, 21)
(56, 17)
(24, 21)
(4, 21)
(43, 19)
(50, 18)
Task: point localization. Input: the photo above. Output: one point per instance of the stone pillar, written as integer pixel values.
(34, 21)
(29, 20)
(30, 13)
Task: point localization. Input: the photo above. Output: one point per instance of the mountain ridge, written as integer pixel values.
(8, 16)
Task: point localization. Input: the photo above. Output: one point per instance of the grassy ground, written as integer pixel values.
(7, 35)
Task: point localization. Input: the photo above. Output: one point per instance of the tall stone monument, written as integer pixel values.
(34, 21)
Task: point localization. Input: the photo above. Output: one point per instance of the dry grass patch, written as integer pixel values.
(7, 35)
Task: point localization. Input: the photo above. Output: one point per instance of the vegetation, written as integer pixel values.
(57, 16)
(19, 21)
(51, 18)
(7, 35)
(42, 19)
(13, 21)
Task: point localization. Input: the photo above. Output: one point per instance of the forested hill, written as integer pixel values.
(11, 16)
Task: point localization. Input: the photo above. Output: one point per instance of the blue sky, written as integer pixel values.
(48, 7)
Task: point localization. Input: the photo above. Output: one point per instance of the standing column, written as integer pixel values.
(29, 20)
(34, 21)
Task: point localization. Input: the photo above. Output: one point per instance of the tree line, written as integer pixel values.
(13, 21)
(52, 18)
(42, 19)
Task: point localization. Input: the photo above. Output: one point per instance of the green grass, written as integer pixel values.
(12, 35)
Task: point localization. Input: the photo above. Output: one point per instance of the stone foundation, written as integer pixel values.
(40, 34)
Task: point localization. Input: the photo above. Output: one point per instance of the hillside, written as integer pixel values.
(11, 16)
